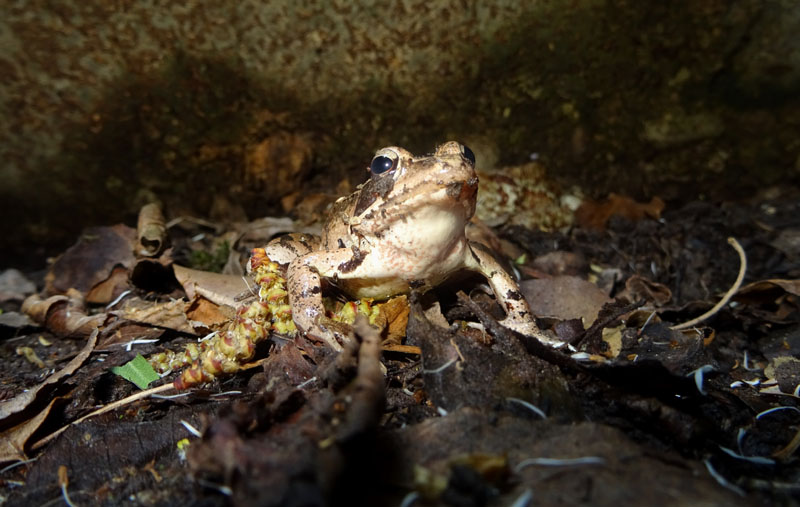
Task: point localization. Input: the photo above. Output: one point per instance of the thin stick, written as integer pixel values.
(728, 295)
(107, 408)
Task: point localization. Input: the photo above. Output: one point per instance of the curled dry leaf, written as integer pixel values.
(151, 231)
(780, 299)
(638, 287)
(63, 315)
(755, 290)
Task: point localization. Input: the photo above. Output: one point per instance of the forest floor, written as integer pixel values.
(634, 411)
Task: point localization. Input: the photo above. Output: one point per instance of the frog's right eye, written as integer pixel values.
(382, 163)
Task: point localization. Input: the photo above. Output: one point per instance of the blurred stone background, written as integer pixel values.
(221, 108)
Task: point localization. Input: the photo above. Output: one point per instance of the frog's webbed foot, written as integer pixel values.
(333, 333)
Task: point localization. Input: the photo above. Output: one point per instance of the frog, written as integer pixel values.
(401, 230)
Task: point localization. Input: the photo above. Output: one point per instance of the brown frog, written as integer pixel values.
(402, 229)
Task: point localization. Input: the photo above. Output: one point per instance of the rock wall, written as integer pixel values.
(107, 105)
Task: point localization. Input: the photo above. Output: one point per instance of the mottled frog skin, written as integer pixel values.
(402, 229)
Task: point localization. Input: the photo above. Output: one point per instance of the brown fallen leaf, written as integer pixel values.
(92, 259)
(13, 441)
(777, 298)
(564, 297)
(595, 214)
(639, 287)
(14, 286)
(12, 411)
(217, 288)
(126, 332)
(760, 288)
(15, 320)
(210, 314)
(110, 288)
(169, 314)
(63, 315)
(393, 317)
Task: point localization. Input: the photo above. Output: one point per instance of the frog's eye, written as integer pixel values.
(382, 163)
(468, 154)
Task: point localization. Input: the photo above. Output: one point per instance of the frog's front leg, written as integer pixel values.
(507, 292)
(304, 278)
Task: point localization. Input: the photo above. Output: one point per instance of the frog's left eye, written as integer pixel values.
(382, 163)
(468, 154)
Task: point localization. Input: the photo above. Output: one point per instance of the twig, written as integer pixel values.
(728, 295)
(63, 482)
(107, 408)
(790, 448)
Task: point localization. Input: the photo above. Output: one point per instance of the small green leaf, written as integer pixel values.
(137, 371)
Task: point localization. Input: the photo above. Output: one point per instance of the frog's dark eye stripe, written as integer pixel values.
(381, 164)
(468, 154)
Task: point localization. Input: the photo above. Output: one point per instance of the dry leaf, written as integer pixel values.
(612, 336)
(217, 288)
(638, 287)
(211, 315)
(11, 410)
(14, 440)
(393, 317)
(151, 232)
(92, 259)
(130, 331)
(169, 314)
(14, 286)
(757, 289)
(110, 288)
(595, 214)
(564, 297)
(63, 315)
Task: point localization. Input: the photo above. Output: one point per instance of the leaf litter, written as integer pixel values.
(448, 409)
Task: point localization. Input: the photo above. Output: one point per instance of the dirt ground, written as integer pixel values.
(634, 411)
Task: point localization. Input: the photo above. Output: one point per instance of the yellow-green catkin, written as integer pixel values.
(227, 351)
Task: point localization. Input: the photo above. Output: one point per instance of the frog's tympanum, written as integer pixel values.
(402, 229)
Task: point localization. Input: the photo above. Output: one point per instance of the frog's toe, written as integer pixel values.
(333, 333)
(529, 328)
